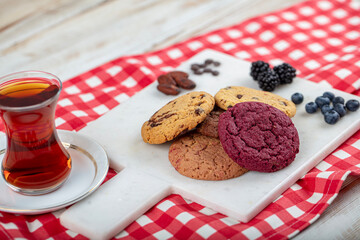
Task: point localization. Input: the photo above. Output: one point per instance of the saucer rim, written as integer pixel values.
(98, 179)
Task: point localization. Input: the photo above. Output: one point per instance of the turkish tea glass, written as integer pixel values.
(35, 161)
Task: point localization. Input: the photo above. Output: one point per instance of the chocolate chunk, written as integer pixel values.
(195, 66)
(198, 72)
(183, 132)
(154, 124)
(209, 61)
(199, 111)
(207, 70)
(216, 63)
(215, 73)
(162, 117)
(239, 96)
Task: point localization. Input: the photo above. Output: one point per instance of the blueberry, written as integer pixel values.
(340, 108)
(297, 98)
(329, 95)
(331, 117)
(311, 107)
(326, 108)
(321, 101)
(338, 100)
(352, 105)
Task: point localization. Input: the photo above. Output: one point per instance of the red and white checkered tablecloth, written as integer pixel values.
(319, 38)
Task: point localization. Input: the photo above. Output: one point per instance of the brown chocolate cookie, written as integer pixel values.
(176, 117)
(201, 157)
(209, 127)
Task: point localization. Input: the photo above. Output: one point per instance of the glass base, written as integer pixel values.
(35, 192)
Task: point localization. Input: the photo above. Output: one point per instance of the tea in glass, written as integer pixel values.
(35, 161)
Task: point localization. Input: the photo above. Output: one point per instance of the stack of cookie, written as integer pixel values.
(245, 130)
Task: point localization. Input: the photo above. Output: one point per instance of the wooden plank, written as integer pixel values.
(12, 11)
(29, 24)
(115, 29)
(72, 40)
(234, 14)
(341, 220)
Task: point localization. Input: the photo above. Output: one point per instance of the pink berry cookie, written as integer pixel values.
(258, 137)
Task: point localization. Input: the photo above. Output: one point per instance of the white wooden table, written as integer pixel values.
(67, 37)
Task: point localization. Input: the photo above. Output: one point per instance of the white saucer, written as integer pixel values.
(89, 168)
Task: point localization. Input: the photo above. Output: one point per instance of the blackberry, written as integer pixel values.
(257, 68)
(285, 72)
(268, 80)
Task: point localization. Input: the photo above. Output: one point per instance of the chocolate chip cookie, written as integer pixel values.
(209, 127)
(228, 97)
(201, 157)
(258, 137)
(176, 117)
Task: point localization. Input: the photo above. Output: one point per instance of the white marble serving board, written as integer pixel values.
(241, 198)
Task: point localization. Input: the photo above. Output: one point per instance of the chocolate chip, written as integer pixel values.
(194, 66)
(183, 132)
(230, 106)
(198, 111)
(209, 61)
(216, 64)
(154, 117)
(154, 124)
(198, 72)
(239, 96)
(207, 70)
(162, 117)
(215, 73)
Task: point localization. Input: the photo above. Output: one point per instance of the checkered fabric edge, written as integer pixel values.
(319, 38)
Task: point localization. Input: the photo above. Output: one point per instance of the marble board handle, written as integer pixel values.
(116, 204)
